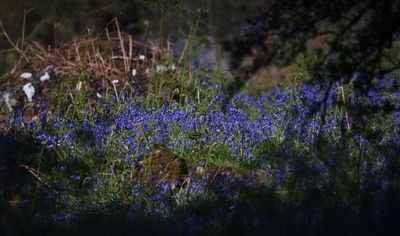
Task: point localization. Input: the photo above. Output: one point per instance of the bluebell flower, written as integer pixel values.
(75, 177)
(85, 125)
(60, 217)
(42, 137)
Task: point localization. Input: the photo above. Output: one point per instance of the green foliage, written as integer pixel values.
(297, 166)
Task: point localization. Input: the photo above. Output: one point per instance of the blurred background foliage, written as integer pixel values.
(351, 41)
(52, 23)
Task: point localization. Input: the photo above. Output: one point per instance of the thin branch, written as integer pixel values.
(37, 176)
(22, 53)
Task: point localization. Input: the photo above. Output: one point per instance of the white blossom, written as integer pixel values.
(48, 68)
(161, 68)
(114, 82)
(134, 72)
(56, 71)
(26, 75)
(51, 69)
(99, 95)
(9, 101)
(78, 86)
(29, 91)
(45, 77)
(142, 57)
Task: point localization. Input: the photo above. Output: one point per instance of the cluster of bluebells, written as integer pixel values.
(246, 123)
(119, 135)
(129, 130)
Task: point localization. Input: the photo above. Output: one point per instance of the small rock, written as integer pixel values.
(167, 166)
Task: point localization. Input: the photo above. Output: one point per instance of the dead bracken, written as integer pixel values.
(94, 60)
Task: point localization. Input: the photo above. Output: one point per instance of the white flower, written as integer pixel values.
(134, 72)
(147, 71)
(26, 75)
(142, 57)
(29, 91)
(79, 86)
(9, 101)
(56, 71)
(173, 67)
(99, 95)
(51, 69)
(45, 77)
(114, 82)
(48, 68)
(161, 68)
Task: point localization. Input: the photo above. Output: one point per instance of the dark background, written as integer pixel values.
(339, 40)
(52, 23)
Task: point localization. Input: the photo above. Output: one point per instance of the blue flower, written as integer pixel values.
(42, 137)
(75, 177)
(85, 125)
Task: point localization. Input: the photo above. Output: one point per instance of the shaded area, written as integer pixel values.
(341, 41)
(53, 24)
(346, 204)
